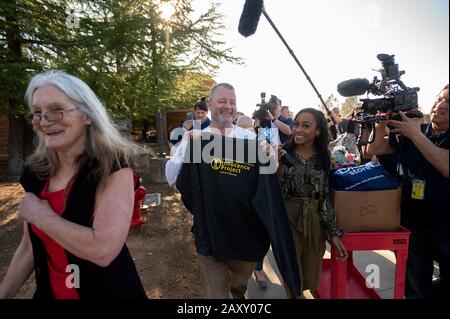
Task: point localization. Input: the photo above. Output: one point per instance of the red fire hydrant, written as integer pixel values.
(139, 194)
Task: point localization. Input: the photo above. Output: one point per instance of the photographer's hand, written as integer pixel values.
(271, 117)
(409, 127)
(188, 124)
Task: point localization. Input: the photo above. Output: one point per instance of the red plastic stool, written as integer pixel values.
(340, 279)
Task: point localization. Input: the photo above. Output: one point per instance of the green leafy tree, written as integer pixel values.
(349, 104)
(331, 101)
(190, 87)
(127, 47)
(30, 37)
(137, 71)
(135, 61)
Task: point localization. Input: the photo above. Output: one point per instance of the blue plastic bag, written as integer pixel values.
(368, 177)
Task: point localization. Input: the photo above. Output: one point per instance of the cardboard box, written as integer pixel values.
(367, 211)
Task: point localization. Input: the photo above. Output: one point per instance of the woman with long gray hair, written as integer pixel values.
(79, 198)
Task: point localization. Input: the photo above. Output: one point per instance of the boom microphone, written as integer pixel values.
(353, 87)
(247, 26)
(250, 17)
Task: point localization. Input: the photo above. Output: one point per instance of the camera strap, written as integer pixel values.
(435, 138)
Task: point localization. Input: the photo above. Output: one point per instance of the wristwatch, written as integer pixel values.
(273, 121)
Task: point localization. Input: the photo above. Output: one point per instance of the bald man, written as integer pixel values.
(246, 122)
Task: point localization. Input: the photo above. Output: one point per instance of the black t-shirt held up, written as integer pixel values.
(238, 212)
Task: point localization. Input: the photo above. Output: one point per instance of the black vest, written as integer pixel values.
(118, 280)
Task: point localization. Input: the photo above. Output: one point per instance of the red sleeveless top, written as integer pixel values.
(57, 259)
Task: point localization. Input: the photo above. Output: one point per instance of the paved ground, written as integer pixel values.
(362, 259)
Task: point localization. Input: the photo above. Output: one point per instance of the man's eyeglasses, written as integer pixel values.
(50, 116)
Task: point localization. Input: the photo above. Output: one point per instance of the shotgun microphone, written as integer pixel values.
(353, 87)
(250, 17)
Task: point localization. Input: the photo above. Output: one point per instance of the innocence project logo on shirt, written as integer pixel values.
(230, 155)
(230, 167)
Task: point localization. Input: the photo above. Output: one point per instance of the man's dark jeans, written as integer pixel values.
(424, 248)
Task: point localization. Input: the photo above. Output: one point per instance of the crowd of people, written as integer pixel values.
(79, 195)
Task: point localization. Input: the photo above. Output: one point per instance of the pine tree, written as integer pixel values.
(136, 62)
(31, 35)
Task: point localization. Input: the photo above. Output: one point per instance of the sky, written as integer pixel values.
(334, 40)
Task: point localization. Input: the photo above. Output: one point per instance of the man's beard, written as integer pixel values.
(223, 121)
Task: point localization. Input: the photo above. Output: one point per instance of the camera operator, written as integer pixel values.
(268, 117)
(345, 124)
(423, 153)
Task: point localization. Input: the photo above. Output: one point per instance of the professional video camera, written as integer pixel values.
(397, 96)
(264, 107)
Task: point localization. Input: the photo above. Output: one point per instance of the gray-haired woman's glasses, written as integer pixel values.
(50, 116)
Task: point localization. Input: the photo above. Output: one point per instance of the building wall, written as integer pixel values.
(174, 119)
